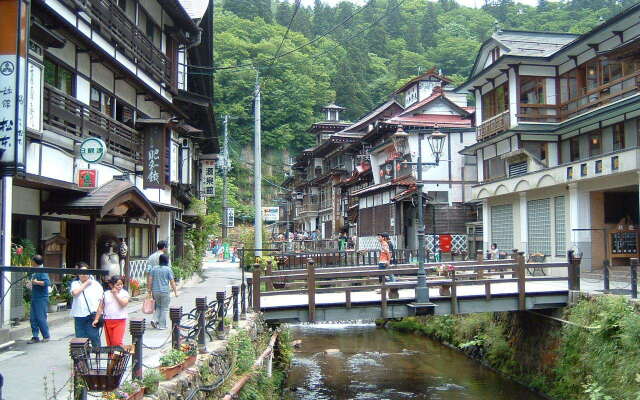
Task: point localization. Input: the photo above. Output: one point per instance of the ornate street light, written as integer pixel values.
(400, 140)
(436, 143)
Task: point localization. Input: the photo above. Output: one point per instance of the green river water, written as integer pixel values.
(362, 362)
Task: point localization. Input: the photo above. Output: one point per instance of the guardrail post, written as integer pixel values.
(220, 301)
(78, 347)
(243, 289)
(250, 288)
(236, 312)
(522, 290)
(574, 271)
(311, 289)
(605, 271)
(175, 314)
(201, 309)
(269, 283)
(454, 293)
(634, 278)
(256, 287)
(480, 260)
(136, 329)
(383, 297)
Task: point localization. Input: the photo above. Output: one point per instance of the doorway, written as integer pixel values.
(78, 247)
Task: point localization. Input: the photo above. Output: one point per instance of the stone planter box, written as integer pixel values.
(189, 362)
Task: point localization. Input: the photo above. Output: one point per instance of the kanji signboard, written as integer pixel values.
(229, 217)
(154, 156)
(13, 74)
(208, 185)
(92, 150)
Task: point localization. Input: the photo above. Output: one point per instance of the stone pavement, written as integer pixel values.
(24, 367)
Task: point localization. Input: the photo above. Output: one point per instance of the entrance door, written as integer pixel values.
(78, 246)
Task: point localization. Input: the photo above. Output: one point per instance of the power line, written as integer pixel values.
(317, 38)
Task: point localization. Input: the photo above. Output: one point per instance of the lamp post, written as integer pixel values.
(422, 305)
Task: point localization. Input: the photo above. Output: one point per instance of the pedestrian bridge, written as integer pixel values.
(316, 294)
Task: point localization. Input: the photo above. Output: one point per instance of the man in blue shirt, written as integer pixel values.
(39, 302)
(161, 277)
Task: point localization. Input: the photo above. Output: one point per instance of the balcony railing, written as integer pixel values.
(493, 126)
(539, 113)
(66, 115)
(607, 93)
(115, 26)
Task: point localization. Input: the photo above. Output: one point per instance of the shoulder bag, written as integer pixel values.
(92, 314)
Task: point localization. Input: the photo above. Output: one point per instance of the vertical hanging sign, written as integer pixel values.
(208, 186)
(154, 156)
(13, 71)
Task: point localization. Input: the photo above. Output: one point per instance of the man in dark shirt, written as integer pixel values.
(39, 302)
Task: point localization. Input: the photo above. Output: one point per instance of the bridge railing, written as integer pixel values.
(312, 281)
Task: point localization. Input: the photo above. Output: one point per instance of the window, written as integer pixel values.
(595, 144)
(502, 227)
(532, 90)
(561, 243)
(124, 113)
(150, 28)
(611, 71)
(574, 148)
(618, 136)
(591, 75)
(495, 102)
(539, 226)
(101, 101)
(537, 149)
(58, 76)
(495, 54)
(139, 242)
(494, 168)
(569, 85)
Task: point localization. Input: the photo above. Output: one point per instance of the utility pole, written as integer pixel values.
(257, 179)
(225, 171)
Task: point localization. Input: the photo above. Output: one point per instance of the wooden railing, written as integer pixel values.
(539, 113)
(114, 25)
(312, 281)
(66, 115)
(493, 126)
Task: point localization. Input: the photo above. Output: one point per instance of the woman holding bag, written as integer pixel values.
(114, 308)
(86, 293)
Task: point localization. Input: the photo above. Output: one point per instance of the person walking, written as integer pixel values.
(152, 262)
(385, 254)
(161, 277)
(114, 308)
(87, 294)
(39, 302)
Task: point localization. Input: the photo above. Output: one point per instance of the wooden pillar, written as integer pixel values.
(256, 287)
(269, 273)
(311, 289)
(127, 270)
(522, 291)
(480, 260)
(93, 251)
(383, 297)
(454, 293)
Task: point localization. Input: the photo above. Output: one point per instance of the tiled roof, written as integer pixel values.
(449, 121)
(533, 44)
(402, 181)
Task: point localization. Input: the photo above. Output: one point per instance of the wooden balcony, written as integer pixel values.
(493, 126)
(69, 117)
(539, 113)
(116, 27)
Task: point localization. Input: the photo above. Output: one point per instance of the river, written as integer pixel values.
(363, 362)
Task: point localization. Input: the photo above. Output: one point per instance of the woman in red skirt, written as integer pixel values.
(114, 307)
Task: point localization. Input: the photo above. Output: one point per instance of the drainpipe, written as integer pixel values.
(195, 42)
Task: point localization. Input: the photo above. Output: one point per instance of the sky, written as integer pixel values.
(469, 3)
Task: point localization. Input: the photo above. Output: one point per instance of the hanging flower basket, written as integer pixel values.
(101, 368)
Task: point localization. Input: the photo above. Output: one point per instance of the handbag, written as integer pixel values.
(92, 314)
(148, 305)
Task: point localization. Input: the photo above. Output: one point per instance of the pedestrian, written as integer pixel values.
(39, 302)
(342, 241)
(385, 255)
(160, 278)
(87, 294)
(154, 261)
(494, 253)
(114, 308)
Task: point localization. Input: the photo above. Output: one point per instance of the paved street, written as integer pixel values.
(25, 366)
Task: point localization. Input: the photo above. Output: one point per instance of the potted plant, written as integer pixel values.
(134, 286)
(151, 380)
(190, 349)
(171, 363)
(53, 300)
(130, 390)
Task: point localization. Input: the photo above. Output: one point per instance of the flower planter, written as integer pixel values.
(137, 395)
(170, 372)
(52, 308)
(189, 362)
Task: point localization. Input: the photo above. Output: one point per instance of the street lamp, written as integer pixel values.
(422, 305)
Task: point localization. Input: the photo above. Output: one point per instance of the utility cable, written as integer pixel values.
(284, 37)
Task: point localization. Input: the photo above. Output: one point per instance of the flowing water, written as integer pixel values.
(362, 362)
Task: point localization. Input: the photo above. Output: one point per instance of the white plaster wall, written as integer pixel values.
(84, 63)
(102, 75)
(26, 201)
(148, 107)
(513, 98)
(83, 90)
(57, 164)
(66, 54)
(126, 91)
(537, 70)
(164, 229)
(33, 158)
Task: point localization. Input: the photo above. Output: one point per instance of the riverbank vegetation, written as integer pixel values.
(593, 356)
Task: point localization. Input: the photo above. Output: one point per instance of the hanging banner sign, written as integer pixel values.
(154, 156)
(445, 243)
(92, 150)
(87, 178)
(13, 81)
(208, 184)
(229, 217)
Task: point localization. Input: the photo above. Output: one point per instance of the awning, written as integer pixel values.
(164, 207)
(117, 198)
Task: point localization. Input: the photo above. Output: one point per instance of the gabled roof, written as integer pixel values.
(430, 120)
(532, 44)
(437, 94)
(367, 118)
(429, 74)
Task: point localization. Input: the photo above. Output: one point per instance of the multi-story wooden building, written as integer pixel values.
(557, 148)
(115, 73)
